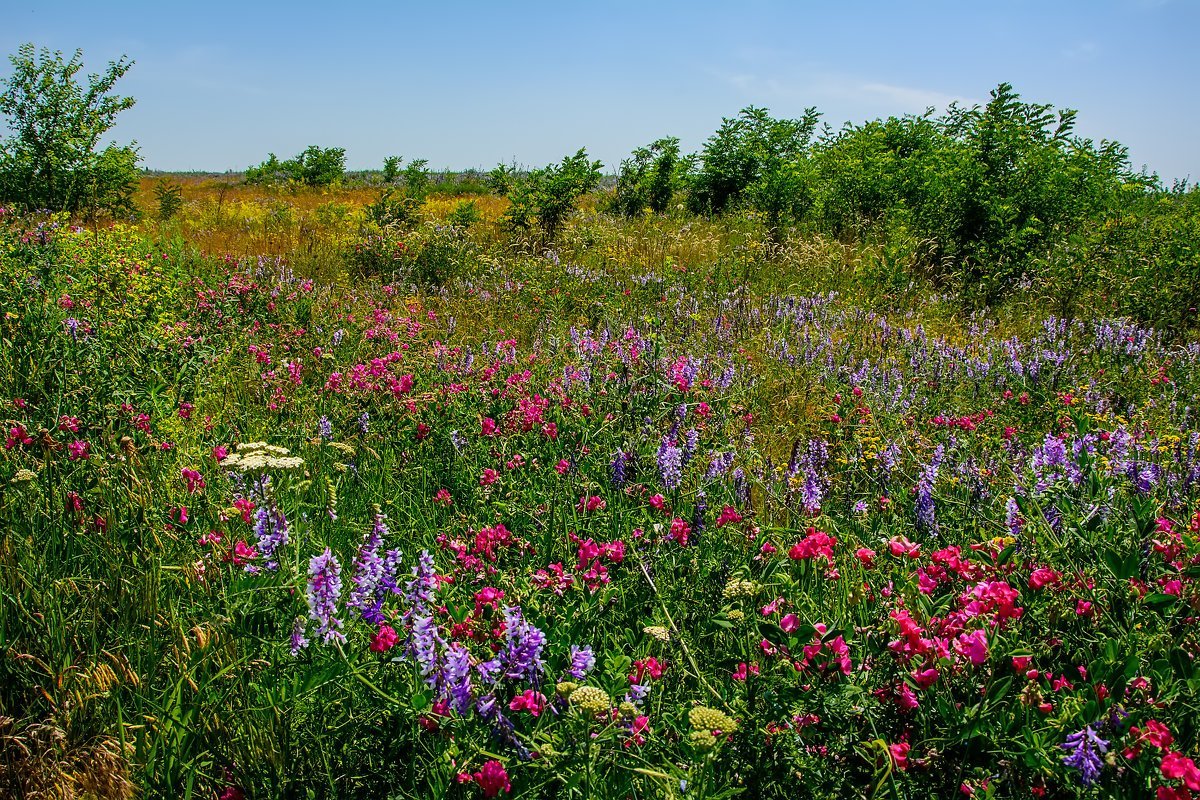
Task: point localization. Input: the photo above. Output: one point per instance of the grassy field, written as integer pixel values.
(672, 506)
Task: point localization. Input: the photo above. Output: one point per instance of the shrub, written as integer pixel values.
(314, 167)
(546, 196)
(650, 178)
(51, 160)
(169, 195)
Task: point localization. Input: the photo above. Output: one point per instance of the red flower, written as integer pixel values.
(492, 779)
(384, 639)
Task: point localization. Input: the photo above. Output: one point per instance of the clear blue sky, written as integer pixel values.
(472, 84)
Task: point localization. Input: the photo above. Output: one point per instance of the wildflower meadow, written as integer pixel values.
(353, 491)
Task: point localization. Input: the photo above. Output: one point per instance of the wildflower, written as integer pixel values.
(192, 480)
(703, 718)
(1084, 749)
(530, 701)
(325, 428)
(523, 653)
(591, 700)
(1176, 766)
(424, 647)
(583, 660)
(324, 589)
(385, 639)
(789, 623)
(898, 752)
(299, 642)
(78, 450)
(493, 779)
(657, 632)
(670, 464)
(457, 677)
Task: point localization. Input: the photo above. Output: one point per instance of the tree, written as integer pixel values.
(650, 177)
(757, 161)
(547, 195)
(51, 159)
(314, 167)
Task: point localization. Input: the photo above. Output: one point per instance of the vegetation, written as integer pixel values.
(51, 160)
(817, 464)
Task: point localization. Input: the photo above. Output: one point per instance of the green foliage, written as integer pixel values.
(52, 158)
(464, 214)
(315, 166)
(391, 169)
(500, 180)
(761, 162)
(169, 195)
(651, 178)
(545, 197)
(416, 180)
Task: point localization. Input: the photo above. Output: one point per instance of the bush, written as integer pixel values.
(51, 160)
(546, 196)
(314, 167)
(169, 195)
(650, 178)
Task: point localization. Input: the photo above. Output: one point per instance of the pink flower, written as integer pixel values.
(899, 754)
(192, 479)
(79, 449)
(562, 466)
(385, 639)
(220, 453)
(1176, 766)
(489, 477)
(530, 701)
(864, 556)
(789, 623)
(493, 779)
(972, 646)
(1043, 576)
(488, 428)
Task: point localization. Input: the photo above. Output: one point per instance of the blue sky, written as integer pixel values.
(473, 84)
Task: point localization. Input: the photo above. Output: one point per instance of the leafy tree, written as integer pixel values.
(650, 178)
(547, 195)
(391, 169)
(416, 180)
(51, 159)
(315, 166)
(757, 161)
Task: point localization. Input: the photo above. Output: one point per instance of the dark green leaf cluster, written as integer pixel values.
(52, 159)
(316, 166)
(545, 196)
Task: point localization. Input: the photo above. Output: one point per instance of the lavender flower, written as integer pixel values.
(522, 655)
(583, 660)
(364, 422)
(457, 678)
(299, 642)
(1084, 749)
(618, 469)
(325, 428)
(424, 647)
(670, 464)
(324, 589)
(369, 573)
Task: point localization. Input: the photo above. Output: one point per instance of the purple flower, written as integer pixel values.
(324, 589)
(370, 572)
(522, 656)
(299, 642)
(325, 428)
(670, 464)
(424, 648)
(457, 678)
(618, 469)
(582, 662)
(1084, 749)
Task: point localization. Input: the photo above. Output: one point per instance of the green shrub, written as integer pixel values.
(546, 196)
(52, 158)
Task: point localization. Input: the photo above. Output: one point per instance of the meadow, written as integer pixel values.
(303, 497)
